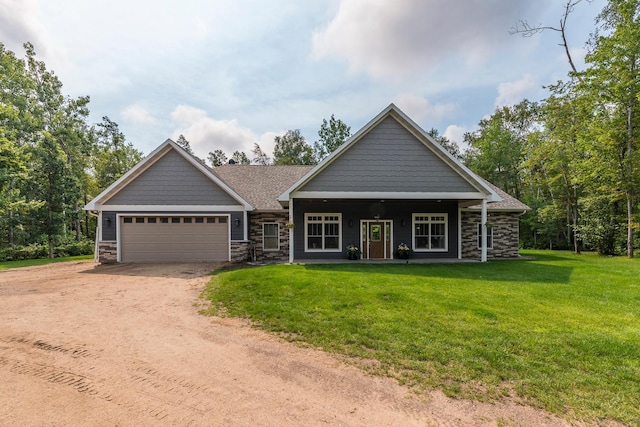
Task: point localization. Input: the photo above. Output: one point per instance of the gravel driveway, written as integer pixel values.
(124, 345)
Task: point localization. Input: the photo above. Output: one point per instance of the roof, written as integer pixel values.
(483, 190)
(507, 204)
(261, 185)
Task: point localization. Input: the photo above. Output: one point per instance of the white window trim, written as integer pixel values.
(489, 235)
(446, 231)
(265, 249)
(306, 229)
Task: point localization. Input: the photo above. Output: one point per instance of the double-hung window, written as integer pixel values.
(430, 232)
(489, 236)
(270, 237)
(322, 232)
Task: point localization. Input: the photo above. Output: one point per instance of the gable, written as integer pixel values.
(389, 158)
(171, 180)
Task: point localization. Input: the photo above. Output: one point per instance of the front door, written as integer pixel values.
(376, 239)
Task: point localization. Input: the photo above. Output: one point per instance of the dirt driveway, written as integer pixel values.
(124, 345)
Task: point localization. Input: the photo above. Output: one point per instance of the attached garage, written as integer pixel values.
(173, 238)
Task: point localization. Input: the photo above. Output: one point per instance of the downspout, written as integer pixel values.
(483, 242)
(291, 231)
(459, 233)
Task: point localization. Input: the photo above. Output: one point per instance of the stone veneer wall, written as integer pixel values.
(107, 252)
(240, 250)
(506, 229)
(255, 235)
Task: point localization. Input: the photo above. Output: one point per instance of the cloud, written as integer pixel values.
(395, 39)
(421, 110)
(456, 133)
(510, 93)
(20, 23)
(136, 113)
(206, 134)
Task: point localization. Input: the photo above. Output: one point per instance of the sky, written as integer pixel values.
(227, 74)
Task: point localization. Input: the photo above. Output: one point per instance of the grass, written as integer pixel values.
(559, 332)
(29, 262)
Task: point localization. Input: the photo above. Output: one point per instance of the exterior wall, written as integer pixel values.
(172, 180)
(353, 211)
(240, 250)
(389, 158)
(506, 227)
(255, 234)
(109, 231)
(107, 252)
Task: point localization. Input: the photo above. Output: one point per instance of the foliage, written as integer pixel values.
(403, 251)
(292, 149)
(558, 332)
(332, 135)
(217, 158)
(451, 146)
(352, 251)
(38, 250)
(240, 158)
(259, 156)
(182, 142)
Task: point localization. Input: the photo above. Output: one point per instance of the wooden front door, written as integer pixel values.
(376, 239)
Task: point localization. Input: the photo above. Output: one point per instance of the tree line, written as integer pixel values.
(51, 160)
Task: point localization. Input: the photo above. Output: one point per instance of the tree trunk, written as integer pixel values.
(77, 220)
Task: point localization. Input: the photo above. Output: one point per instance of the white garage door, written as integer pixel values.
(174, 238)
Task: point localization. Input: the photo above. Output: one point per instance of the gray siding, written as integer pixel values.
(172, 180)
(109, 231)
(365, 209)
(389, 158)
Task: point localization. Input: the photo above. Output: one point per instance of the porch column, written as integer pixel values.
(483, 242)
(291, 230)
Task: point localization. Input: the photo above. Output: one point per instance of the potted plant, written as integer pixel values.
(353, 252)
(403, 251)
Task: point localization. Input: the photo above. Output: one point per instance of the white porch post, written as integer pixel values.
(483, 243)
(245, 221)
(291, 230)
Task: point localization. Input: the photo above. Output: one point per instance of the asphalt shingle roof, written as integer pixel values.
(261, 185)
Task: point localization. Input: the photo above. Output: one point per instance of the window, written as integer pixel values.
(199, 220)
(489, 236)
(322, 232)
(211, 220)
(175, 220)
(187, 220)
(270, 237)
(128, 220)
(164, 220)
(139, 220)
(222, 220)
(151, 220)
(430, 232)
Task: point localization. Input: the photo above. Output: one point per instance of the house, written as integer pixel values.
(389, 183)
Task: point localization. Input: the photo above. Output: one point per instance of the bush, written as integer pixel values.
(39, 250)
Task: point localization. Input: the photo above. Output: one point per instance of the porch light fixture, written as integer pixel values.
(237, 222)
(107, 221)
(376, 216)
(350, 223)
(402, 223)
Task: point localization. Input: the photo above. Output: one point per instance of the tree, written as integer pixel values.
(240, 158)
(451, 146)
(259, 156)
(217, 158)
(496, 150)
(292, 149)
(332, 135)
(113, 155)
(182, 142)
(612, 82)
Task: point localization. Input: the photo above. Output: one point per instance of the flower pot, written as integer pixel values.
(352, 256)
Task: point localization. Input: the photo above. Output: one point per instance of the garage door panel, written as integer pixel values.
(171, 241)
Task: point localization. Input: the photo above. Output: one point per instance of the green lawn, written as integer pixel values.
(560, 332)
(29, 262)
